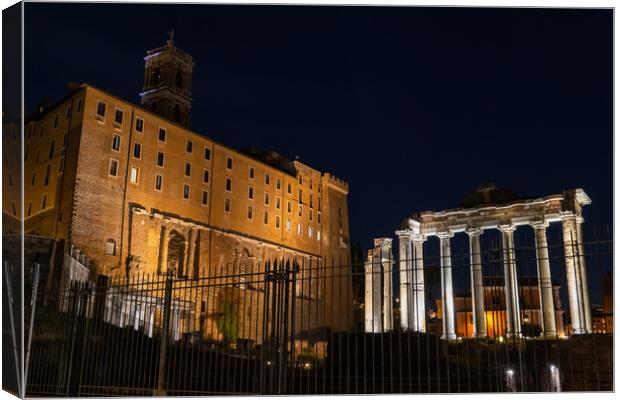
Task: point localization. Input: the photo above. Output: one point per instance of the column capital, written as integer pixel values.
(447, 234)
(418, 237)
(404, 233)
(539, 223)
(381, 242)
(473, 231)
(506, 228)
(568, 215)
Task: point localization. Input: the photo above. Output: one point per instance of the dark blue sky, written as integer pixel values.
(412, 106)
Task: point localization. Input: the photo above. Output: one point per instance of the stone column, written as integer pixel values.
(477, 283)
(189, 267)
(373, 311)
(383, 249)
(584, 276)
(405, 268)
(419, 299)
(165, 239)
(511, 283)
(447, 294)
(545, 284)
(574, 283)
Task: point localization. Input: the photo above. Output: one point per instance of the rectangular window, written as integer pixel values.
(310, 200)
(47, 175)
(227, 205)
(188, 169)
(116, 143)
(137, 150)
(288, 188)
(186, 191)
(310, 232)
(250, 212)
(51, 153)
(205, 176)
(78, 108)
(207, 153)
(189, 146)
(278, 183)
(310, 214)
(158, 182)
(44, 202)
(61, 167)
(228, 184)
(29, 208)
(339, 212)
(266, 179)
(301, 210)
(229, 163)
(101, 109)
(113, 171)
(278, 200)
(319, 203)
(65, 138)
(318, 234)
(139, 125)
(251, 173)
(36, 159)
(289, 207)
(55, 121)
(118, 116)
(160, 159)
(266, 218)
(277, 221)
(250, 193)
(205, 198)
(68, 112)
(299, 229)
(34, 179)
(300, 196)
(288, 225)
(133, 178)
(162, 134)
(318, 218)
(266, 199)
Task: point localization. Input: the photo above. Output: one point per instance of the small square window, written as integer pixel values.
(207, 153)
(116, 143)
(160, 159)
(137, 150)
(266, 199)
(189, 146)
(288, 225)
(227, 205)
(118, 116)
(188, 169)
(229, 163)
(204, 198)
(250, 212)
(101, 109)
(266, 218)
(251, 193)
(162, 134)
(133, 177)
(205, 176)
(251, 173)
(186, 191)
(266, 179)
(288, 188)
(289, 207)
(113, 170)
(228, 184)
(278, 202)
(139, 125)
(278, 183)
(158, 182)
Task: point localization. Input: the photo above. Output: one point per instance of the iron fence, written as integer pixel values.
(269, 332)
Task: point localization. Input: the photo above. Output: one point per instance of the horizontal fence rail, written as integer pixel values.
(271, 332)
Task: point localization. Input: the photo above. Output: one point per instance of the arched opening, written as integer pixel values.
(176, 254)
(177, 113)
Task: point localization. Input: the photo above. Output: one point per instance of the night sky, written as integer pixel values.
(412, 106)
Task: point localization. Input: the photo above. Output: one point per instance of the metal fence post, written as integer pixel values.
(163, 337)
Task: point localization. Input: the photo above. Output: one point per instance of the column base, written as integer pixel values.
(450, 336)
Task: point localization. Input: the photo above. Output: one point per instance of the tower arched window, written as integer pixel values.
(177, 113)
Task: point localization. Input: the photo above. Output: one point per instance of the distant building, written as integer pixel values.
(495, 309)
(603, 315)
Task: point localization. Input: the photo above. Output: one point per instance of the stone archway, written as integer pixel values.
(176, 253)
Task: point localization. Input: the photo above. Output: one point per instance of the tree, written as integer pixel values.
(228, 320)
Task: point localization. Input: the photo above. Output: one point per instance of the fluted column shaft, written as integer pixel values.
(584, 277)
(511, 284)
(447, 293)
(545, 285)
(477, 283)
(386, 261)
(574, 277)
(405, 267)
(419, 306)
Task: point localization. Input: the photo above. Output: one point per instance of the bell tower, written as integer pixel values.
(168, 82)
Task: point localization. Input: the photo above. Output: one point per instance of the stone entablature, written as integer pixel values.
(537, 213)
